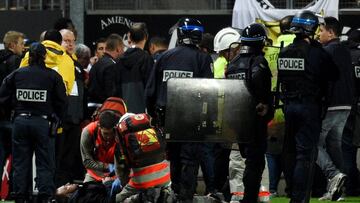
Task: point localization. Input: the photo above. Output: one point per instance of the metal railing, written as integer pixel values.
(159, 4)
(164, 5)
(33, 4)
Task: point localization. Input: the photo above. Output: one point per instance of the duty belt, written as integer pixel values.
(33, 115)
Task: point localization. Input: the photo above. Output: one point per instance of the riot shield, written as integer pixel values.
(210, 110)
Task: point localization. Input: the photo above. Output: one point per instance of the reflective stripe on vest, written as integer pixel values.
(96, 176)
(150, 176)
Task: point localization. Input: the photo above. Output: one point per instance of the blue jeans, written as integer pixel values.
(303, 121)
(330, 158)
(31, 134)
(274, 165)
(207, 163)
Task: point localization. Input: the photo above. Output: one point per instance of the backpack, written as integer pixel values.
(142, 145)
(114, 104)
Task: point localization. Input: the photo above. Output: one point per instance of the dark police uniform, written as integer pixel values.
(304, 70)
(184, 61)
(36, 93)
(253, 68)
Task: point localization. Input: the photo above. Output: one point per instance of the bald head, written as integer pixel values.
(68, 41)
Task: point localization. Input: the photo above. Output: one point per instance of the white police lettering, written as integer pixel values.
(293, 64)
(357, 71)
(176, 74)
(240, 76)
(31, 95)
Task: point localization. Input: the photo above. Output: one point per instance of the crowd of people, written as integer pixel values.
(305, 86)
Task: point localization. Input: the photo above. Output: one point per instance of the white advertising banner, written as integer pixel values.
(246, 12)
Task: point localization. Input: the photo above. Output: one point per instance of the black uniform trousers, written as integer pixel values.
(184, 164)
(254, 152)
(31, 134)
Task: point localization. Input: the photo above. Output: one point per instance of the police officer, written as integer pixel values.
(37, 95)
(185, 60)
(304, 69)
(250, 65)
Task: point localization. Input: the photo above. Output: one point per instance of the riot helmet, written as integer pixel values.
(37, 53)
(285, 23)
(304, 22)
(189, 31)
(254, 35)
(225, 37)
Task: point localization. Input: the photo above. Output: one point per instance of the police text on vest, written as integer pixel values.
(31, 95)
(176, 74)
(240, 76)
(293, 64)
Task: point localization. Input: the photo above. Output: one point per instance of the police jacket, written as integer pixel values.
(57, 59)
(341, 92)
(184, 61)
(253, 68)
(8, 63)
(103, 80)
(77, 101)
(355, 58)
(135, 66)
(304, 70)
(35, 89)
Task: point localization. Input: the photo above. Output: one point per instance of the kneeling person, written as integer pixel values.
(144, 152)
(100, 151)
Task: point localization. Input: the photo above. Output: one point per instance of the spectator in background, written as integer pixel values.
(100, 46)
(56, 58)
(134, 67)
(69, 167)
(83, 55)
(10, 59)
(104, 76)
(157, 45)
(207, 45)
(279, 159)
(340, 99)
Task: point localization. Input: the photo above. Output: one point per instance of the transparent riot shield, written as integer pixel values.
(209, 110)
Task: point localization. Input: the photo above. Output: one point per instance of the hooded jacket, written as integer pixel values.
(135, 66)
(57, 59)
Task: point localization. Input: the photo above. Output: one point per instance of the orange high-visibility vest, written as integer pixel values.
(156, 175)
(102, 153)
